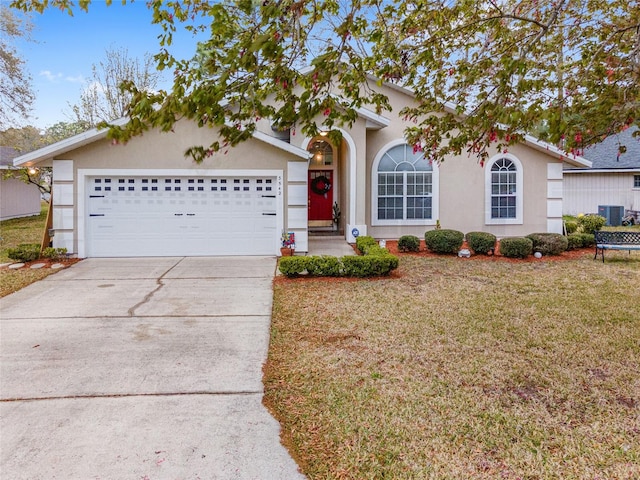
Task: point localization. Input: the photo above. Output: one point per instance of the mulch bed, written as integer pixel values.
(392, 246)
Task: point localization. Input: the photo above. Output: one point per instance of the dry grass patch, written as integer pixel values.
(12, 233)
(462, 369)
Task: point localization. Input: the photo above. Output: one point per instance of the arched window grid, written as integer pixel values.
(405, 187)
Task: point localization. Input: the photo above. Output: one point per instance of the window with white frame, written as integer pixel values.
(636, 181)
(503, 197)
(405, 186)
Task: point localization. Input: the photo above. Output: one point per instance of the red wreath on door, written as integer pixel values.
(320, 185)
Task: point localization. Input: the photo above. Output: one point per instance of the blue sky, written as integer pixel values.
(64, 48)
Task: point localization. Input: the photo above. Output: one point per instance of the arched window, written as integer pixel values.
(404, 187)
(322, 153)
(503, 190)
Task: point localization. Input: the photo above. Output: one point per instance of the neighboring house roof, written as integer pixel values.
(606, 157)
(94, 134)
(7, 154)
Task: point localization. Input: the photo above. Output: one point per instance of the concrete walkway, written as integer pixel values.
(140, 369)
(329, 245)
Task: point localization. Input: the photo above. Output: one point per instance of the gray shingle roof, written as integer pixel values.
(604, 155)
(7, 154)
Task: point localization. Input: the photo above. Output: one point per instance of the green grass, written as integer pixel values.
(21, 230)
(462, 369)
(12, 233)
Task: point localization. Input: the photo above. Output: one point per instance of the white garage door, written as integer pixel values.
(181, 216)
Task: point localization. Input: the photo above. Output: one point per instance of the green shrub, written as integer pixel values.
(364, 242)
(378, 261)
(444, 240)
(588, 239)
(324, 266)
(481, 242)
(574, 241)
(409, 243)
(571, 226)
(590, 223)
(369, 265)
(548, 243)
(293, 266)
(516, 247)
(25, 252)
(54, 253)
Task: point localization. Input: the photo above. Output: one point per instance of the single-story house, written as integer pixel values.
(613, 180)
(146, 199)
(17, 198)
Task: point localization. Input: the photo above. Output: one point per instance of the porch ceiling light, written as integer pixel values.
(32, 170)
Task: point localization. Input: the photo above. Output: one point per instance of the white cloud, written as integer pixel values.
(52, 77)
(78, 79)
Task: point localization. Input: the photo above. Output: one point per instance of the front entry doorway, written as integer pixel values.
(321, 188)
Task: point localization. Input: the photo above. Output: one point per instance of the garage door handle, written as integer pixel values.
(268, 196)
(178, 214)
(96, 214)
(191, 214)
(96, 196)
(271, 214)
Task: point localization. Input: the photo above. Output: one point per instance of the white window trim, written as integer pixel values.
(519, 192)
(435, 192)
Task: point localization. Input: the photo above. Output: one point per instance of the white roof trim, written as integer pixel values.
(287, 147)
(601, 170)
(539, 145)
(65, 145)
(373, 120)
(94, 134)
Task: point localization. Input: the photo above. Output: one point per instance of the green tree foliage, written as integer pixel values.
(484, 73)
(16, 95)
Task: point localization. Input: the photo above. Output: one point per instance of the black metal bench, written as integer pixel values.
(616, 241)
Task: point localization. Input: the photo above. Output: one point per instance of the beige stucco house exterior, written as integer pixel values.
(146, 198)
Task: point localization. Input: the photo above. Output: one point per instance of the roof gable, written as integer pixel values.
(94, 135)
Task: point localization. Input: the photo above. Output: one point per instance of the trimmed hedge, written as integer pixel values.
(293, 266)
(588, 239)
(548, 243)
(376, 262)
(409, 243)
(369, 265)
(25, 252)
(324, 266)
(481, 242)
(363, 243)
(444, 240)
(580, 240)
(516, 247)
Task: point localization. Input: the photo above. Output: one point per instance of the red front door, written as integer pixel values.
(320, 195)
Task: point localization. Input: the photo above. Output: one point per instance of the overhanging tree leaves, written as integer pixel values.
(483, 73)
(16, 95)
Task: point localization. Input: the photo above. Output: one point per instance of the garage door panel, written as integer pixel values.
(174, 216)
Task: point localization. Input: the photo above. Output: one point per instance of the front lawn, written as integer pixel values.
(462, 369)
(12, 233)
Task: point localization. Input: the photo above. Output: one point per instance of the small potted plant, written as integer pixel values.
(336, 216)
(288, 244)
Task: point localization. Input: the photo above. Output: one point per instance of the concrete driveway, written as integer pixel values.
(140, 368)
